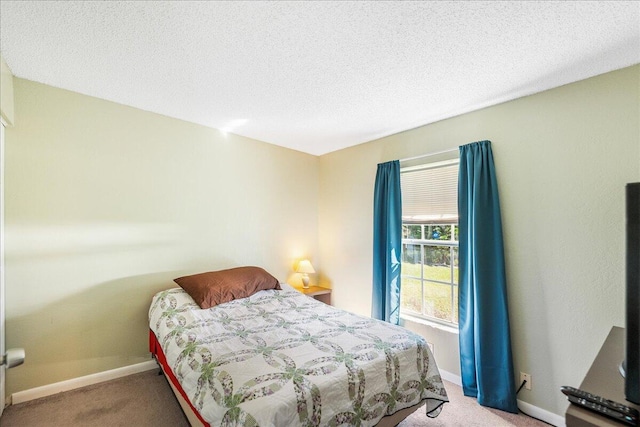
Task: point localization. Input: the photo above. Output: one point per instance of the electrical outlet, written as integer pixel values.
(527, 378)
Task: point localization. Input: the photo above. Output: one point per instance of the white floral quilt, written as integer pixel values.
(280, 358)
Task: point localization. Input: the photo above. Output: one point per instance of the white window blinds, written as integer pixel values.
(430, 193)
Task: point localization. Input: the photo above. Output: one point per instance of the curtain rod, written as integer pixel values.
(429, 155)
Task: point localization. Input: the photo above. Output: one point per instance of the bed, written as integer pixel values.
(280, 358)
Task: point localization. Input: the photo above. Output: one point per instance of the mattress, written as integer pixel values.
(279, 358)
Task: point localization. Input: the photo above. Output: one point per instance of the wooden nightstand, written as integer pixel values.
(318, 292)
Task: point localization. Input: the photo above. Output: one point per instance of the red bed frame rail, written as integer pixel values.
(158, 354)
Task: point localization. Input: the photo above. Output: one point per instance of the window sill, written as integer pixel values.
(421, 321)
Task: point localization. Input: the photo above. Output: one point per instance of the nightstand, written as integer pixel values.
(317, 292)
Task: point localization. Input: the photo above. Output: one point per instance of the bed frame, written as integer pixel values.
(196, 420)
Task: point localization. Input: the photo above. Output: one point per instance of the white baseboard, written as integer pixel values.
(541, 414)
(452, 378)
(48, 390)
(529, 409)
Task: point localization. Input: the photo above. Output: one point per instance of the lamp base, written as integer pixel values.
(305, 281)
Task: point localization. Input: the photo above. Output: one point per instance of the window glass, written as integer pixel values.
(438, 301)
(437, 263)
(411, 295)
(411, 259)
(455, 265)
(412, 231)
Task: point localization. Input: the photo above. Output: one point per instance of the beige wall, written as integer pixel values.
(6, 92)
(106, 204)
(562, 158)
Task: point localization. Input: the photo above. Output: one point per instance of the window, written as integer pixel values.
(429, 282)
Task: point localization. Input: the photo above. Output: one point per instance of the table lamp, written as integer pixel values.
(305, 268)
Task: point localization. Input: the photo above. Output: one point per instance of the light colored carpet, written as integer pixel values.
(143, 399)
(146, 399)
(465, 411)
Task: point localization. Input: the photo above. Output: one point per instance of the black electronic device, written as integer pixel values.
(630, 367)
(606, 407)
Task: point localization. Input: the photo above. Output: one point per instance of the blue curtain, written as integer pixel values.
(387, 243)
(485, 343)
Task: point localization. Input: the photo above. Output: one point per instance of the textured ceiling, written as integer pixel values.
(315, 76)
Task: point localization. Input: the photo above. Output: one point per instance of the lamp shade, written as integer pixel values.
(305, 266)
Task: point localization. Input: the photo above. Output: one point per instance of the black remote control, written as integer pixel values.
(606, 407)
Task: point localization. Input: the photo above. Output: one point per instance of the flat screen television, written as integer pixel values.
(631, 365)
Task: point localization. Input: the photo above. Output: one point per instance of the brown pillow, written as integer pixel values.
(217, 287)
